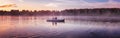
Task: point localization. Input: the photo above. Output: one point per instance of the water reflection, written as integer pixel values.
(37, 27)
(55, 23)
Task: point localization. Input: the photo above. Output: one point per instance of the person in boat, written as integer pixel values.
(55, 18)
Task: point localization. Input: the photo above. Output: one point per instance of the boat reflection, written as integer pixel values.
(55, 23)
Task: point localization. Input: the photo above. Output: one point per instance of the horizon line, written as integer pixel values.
(56, 9)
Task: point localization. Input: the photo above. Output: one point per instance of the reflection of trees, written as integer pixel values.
(92, 12)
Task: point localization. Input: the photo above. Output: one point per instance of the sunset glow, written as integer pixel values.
(57, 4)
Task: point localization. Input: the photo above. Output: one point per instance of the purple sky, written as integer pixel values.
(57, 4)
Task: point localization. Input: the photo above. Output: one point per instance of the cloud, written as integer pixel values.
(108, 4)
(21, 0)
(2, 2)
(116, 0)
(8, 5)
(69, 4)
(60, 4)
(51, 5)
(93, 1)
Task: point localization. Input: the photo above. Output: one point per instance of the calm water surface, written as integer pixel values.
(38, 27)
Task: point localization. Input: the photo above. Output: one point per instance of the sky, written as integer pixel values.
(57, 4)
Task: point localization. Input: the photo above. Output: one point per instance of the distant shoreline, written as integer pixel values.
(66, 12)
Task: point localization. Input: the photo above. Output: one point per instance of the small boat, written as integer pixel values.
(56, 20)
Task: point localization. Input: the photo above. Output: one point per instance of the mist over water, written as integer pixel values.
(73, 27)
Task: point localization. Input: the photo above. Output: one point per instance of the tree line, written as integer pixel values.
(66, 12)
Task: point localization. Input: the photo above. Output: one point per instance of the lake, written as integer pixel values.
(73, 27)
